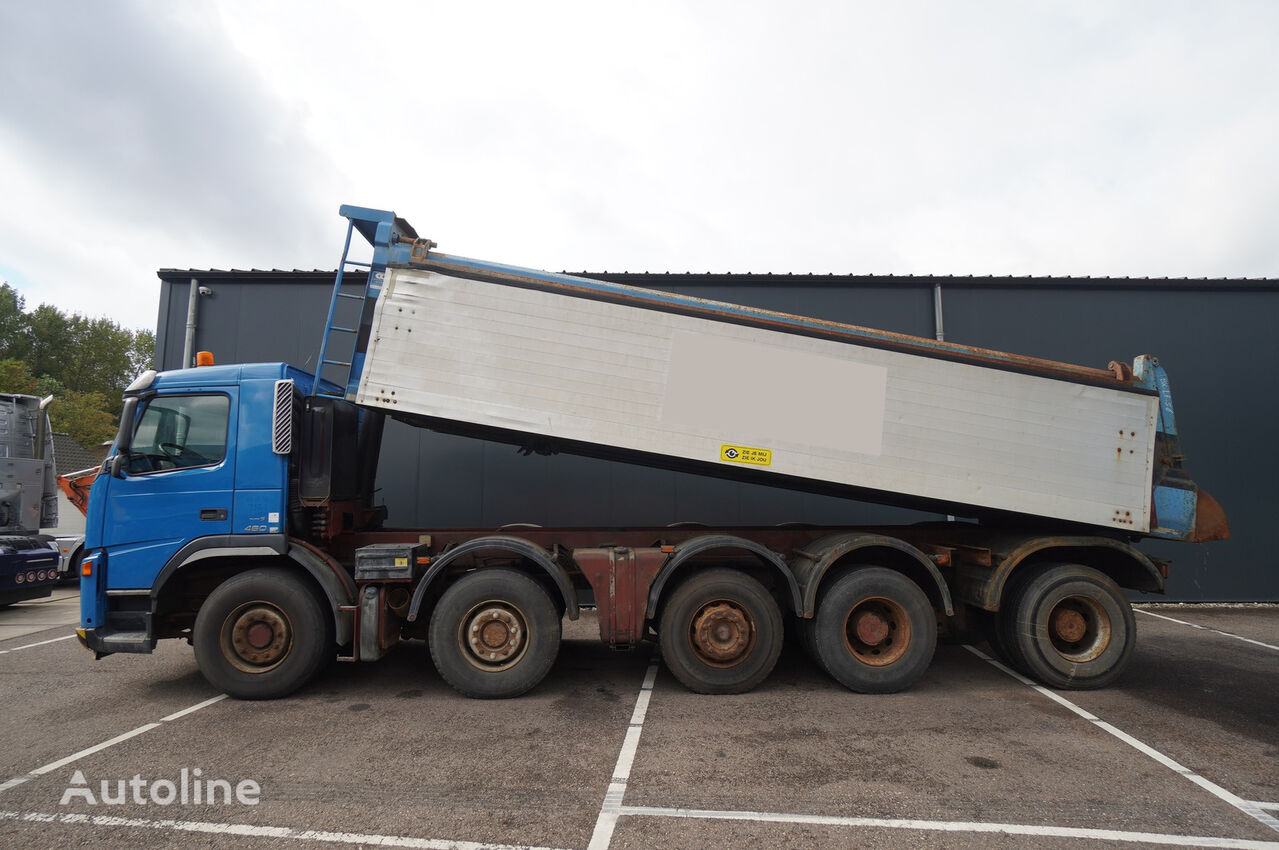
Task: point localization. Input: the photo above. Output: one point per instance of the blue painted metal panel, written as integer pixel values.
(258, 512)
(1176, 506)
(257, 466)
(1174, 512)
(1151, 376)
(92, 590)
(261, 476)
(151, 515)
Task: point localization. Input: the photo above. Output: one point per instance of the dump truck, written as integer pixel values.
(28, 500)
(237, 507)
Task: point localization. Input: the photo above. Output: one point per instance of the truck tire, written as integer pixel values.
(262, 634)
(992, 633)
(1069, 626)
(720, 632)
(494, 634)
(804, 630)
(875, 631)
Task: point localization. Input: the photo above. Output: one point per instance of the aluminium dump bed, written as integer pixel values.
(570, 363)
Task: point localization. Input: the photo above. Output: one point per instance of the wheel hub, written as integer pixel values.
(721, 633)
(494, 635)
(260, 637)
(1068, 625)
(877, 631)
(1079, 628)
(871, 628)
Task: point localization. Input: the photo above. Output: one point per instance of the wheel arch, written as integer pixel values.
(527, 550)
(1127, 566)
(826, 558)
(220, 557)
(686, 552)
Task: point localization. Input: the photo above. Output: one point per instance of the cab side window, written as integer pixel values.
(179, 432)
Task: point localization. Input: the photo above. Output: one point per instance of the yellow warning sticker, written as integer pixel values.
(401, 562)
(746, 454)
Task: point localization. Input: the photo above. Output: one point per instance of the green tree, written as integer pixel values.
(50, 339)
(15, 379)
(13, 323)
(84, 363)
(93, 355)
(141, 353)
(85, 416)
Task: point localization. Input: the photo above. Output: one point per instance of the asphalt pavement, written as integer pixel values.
(611, 752)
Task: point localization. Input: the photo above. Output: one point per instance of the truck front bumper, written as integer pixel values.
(107, 641)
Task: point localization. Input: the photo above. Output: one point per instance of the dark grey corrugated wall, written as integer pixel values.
(1217, 338)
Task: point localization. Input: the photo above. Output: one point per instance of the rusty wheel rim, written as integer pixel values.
(1079, 628)
(877, 631)
(493, 636)
(256, 637)
(722, 633)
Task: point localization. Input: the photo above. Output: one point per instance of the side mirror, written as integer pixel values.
(117, 465)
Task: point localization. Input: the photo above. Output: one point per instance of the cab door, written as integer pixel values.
(173, 484)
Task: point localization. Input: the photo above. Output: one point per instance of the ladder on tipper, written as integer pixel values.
(392, 239)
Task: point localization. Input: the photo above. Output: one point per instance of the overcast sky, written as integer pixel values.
(1084, 138)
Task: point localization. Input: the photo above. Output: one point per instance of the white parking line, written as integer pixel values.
(1206, 629)
(54, 765)
(609, 812)
(41, 643)
(956, 826)
(252, 831)
(1246, 806)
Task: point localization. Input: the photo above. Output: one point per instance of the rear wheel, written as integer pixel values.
(875, 631)
(494, 634)
(262, 634)
(1069, 626)
(720, 632)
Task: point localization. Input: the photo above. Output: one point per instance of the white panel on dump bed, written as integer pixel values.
(622, 376)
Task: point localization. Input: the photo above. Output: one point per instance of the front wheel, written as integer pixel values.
(262, 634)
(875, 631)
(494, 634)
(1069, 626)
(720, 632)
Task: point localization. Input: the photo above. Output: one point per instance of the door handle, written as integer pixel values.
(212, 514)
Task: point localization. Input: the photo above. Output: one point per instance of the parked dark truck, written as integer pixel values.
(237, 507)
(28, 500)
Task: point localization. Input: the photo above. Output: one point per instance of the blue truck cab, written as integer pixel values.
(196, 472)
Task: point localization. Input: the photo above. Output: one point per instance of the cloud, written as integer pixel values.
(139, 136)
(917, 137)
